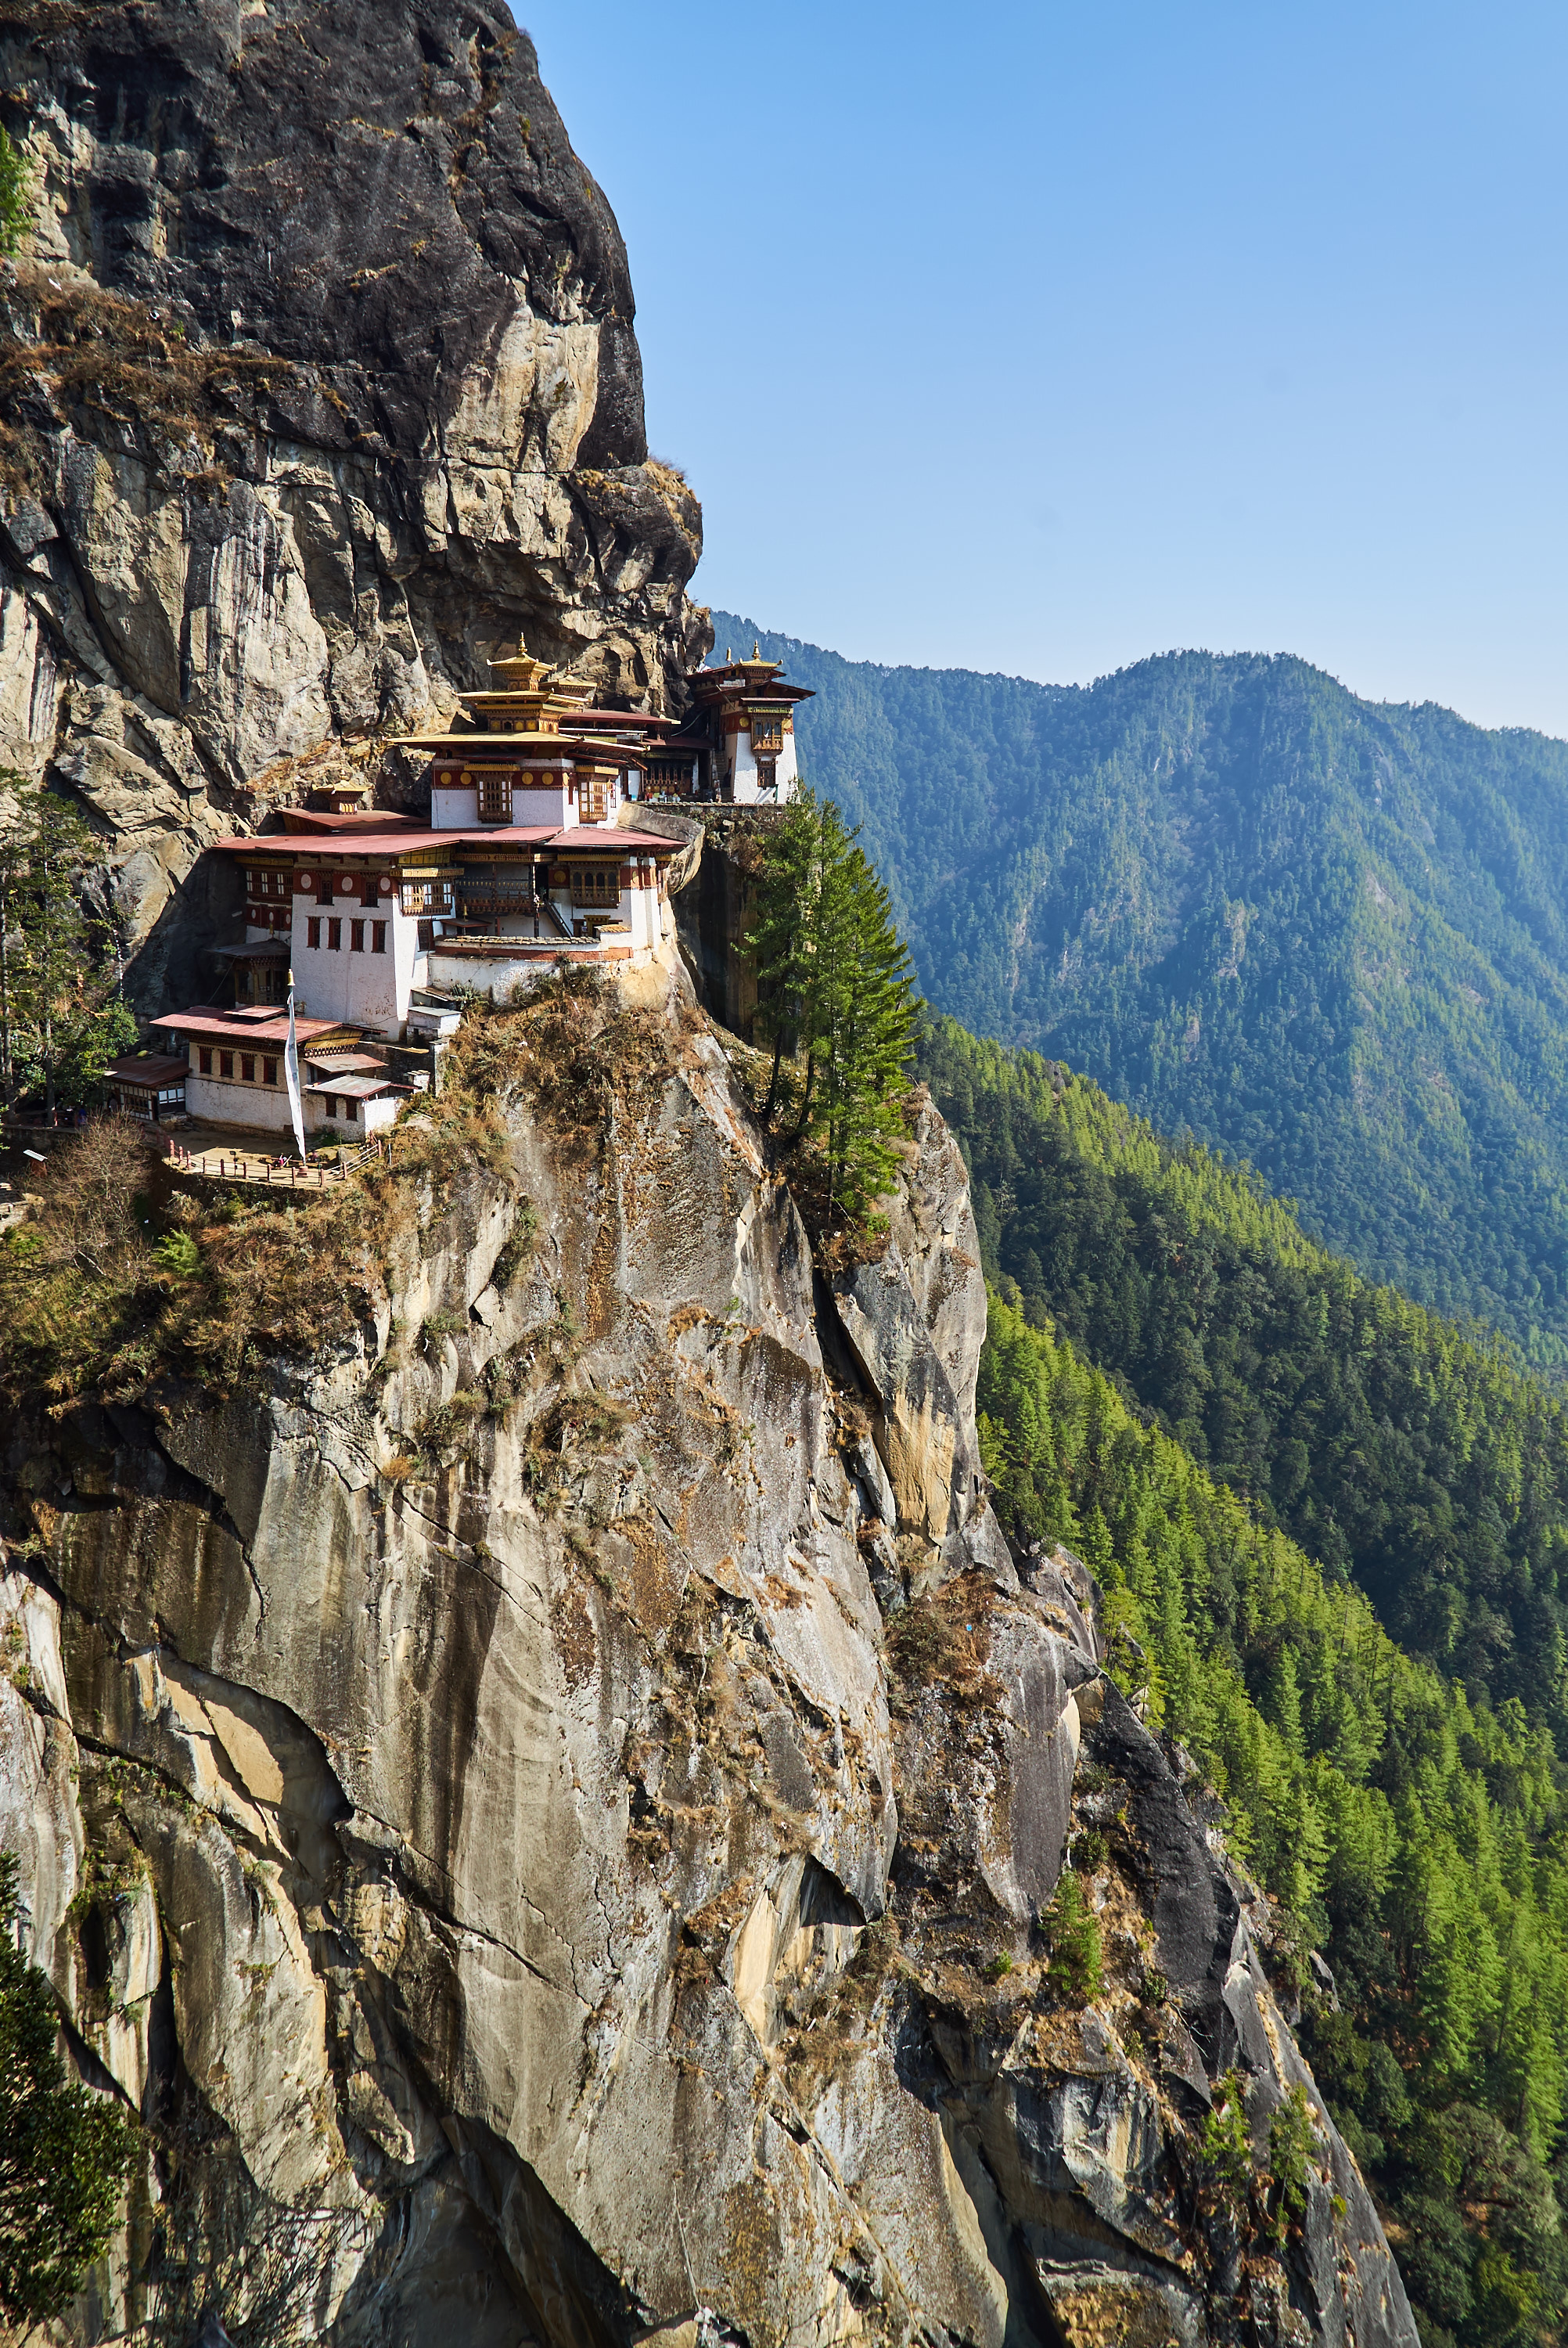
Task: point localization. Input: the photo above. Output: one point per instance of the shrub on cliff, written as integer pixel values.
(15, 212)
(101, 1288)
(65, 2153)
(1072, 1932)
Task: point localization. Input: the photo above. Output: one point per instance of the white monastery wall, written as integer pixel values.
(224, 1100)
(335, 983)
(743, 769)
(542, 806)
(641, 911)
(454, 810)
(744, 787)
(359, 1118)
(458, 810)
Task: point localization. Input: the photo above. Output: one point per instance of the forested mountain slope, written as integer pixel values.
(1328, 936)
(1373, 1432)
(1176, 1382)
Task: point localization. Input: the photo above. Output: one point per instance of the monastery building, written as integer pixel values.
(531, 854)
(738, 740)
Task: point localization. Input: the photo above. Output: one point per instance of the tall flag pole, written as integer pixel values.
(291, 1072)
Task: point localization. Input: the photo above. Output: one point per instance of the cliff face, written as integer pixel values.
(571, 1778)
(318, 384)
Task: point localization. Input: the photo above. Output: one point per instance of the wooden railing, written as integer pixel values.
(283, 1173)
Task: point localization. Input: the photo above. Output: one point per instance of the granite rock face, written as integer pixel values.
(475, 1768)
(320, 385)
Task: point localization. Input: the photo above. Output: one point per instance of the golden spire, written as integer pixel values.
(516, 672)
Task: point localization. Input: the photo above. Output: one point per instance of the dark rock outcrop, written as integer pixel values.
(320, 385)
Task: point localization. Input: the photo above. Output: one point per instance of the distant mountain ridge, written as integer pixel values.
(1326, 936)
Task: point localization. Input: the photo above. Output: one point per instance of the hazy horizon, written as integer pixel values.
(1166, 652)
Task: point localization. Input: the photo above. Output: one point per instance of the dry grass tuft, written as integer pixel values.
(69, 349)
(942, 1641)
(574, 1050)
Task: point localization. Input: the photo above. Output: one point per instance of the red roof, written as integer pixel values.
(333, 844)
(594, 717)
(152, 1069)
(411, 843)
(202, 1019)
(298, 819)
(521, 749)
(587, 836)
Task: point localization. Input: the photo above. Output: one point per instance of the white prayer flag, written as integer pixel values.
(291, 1072)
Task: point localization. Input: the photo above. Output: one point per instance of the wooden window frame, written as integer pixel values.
(586, 892)
(494, 802)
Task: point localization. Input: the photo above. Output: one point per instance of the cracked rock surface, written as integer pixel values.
(475, 1768)
(320, 385)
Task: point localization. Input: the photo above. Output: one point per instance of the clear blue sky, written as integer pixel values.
(1042, 338)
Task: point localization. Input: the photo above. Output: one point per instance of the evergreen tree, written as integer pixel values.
(65, 2153)
(60, 1020)
(15, 212)
(776, 938)
(833, 975)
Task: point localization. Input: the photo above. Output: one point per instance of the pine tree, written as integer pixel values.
(777, 937)
(15, 189)
(65, 2153)
(60, 1023)
(870, 1042)
(834, 977)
